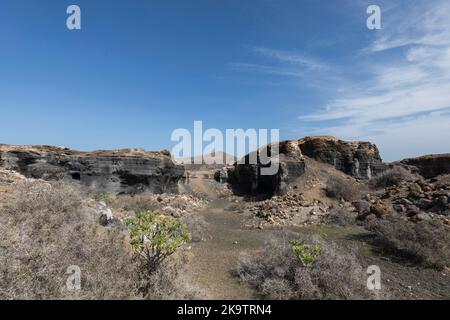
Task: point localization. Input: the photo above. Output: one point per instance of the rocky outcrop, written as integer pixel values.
(429, 166)
(128, 170)
(358, 159)
(248, 177)
(413, 200)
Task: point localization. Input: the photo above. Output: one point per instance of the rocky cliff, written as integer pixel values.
(358, 159)
(429, 166)
(128, 170)
(247, 177)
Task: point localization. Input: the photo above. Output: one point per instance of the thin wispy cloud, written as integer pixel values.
(280, 63)
(406, 92)
(291, 57)
(273, 70)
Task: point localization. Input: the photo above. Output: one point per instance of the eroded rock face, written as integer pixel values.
(247, 177)
(358, 159)
(129, 170)
(429, 166)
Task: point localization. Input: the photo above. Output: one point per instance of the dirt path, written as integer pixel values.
(214, 259)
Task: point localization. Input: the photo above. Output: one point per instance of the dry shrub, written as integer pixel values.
(342, 189)
(277, 273)
(44, 230)
(392, 177)
(425, 242)
(168, 281)
(341, 217)
(137, 203)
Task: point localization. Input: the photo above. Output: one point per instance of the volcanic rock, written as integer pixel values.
(429, 166)
(358, 159)
(128, 170)
(247, 176)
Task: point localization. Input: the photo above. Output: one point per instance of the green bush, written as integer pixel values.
(306, 253)
(154, 237)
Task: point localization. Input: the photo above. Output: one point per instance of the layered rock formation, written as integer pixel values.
(248, 177)
(429, 166)
(128, 170)
(358, 159)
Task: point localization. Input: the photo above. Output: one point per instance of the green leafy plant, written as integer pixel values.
(104, 197)
(155, 237)
(306, 253)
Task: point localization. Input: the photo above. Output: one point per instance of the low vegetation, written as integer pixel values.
(426, 242)
(156, 240)
(155, 237)
(342, 189)
(392, 177)
(340, 217)
(137, 203)
(306, 253)
(310, 268)
(105, 197)
(45, 230)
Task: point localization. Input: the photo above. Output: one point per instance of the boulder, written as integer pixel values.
(362, 207)
(379, 210)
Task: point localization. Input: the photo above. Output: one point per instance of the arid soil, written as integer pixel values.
(225, 226)
(230, 232)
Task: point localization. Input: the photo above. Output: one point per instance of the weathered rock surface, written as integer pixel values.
(288, 209)
(248, 177)
(413, 200)
(128, 170)
(429, 166)
(358, 159)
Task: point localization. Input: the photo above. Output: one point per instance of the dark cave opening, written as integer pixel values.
(76, 176)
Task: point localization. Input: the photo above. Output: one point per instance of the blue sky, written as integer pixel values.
(140, 69)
